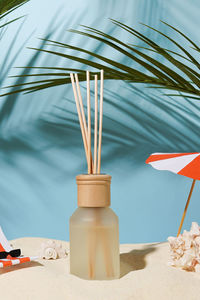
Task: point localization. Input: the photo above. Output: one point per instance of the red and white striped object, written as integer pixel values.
(186, 164)
(9, 261)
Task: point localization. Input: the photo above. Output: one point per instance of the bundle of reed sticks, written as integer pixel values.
(94, 167)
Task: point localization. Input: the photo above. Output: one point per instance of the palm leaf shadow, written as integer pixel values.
(132, 129)
(11, 101)
(23, 137)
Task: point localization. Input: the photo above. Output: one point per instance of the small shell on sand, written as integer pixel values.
(52, 250)
(185, 249)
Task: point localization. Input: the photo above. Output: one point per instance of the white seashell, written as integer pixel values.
(186, 260)
(61, 253)
(52, 250)
(50, 253)
(195, 230)
(197, 240)
(185, 249)
(172, 241)
(180, 252)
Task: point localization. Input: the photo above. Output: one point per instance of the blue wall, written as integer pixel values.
(41, 153)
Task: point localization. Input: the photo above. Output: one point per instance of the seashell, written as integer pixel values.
(195, 230)
(197, 240)
(50, 253)
(52, 250)
(61, 251)
(185, 249)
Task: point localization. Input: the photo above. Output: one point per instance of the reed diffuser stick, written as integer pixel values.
(95, 121)
(81, 103)
(89, 122)
(100, 122)
(80, 117)
(83, 117)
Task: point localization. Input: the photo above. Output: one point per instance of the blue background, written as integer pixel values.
(41, 152)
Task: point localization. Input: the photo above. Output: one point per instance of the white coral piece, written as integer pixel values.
(185, 249)
(52, 250)
(195, 229)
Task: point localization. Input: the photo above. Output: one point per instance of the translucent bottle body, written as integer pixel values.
(94, 243)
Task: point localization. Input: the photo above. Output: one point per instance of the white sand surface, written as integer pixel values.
(145, 275)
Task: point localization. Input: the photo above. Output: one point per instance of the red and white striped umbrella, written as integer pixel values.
(186, 164)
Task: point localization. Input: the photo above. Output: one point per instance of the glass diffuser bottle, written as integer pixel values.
(94, 231)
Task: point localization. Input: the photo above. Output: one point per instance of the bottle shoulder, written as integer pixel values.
(98, 215)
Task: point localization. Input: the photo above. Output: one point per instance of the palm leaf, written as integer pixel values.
(180, 75)
(7, 7)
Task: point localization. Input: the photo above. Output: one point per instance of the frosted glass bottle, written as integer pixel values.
(94, 231)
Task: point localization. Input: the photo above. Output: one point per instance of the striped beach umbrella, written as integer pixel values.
(5, 248)
(186, 164)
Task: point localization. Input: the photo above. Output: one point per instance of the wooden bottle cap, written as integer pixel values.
(93, 190)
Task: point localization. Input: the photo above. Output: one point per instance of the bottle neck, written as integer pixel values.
(93, 190)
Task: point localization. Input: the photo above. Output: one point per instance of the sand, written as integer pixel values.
(145, 275)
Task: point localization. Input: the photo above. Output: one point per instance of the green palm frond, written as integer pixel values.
(7, 7)
(177, 71)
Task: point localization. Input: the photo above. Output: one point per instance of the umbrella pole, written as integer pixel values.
(186, 207)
